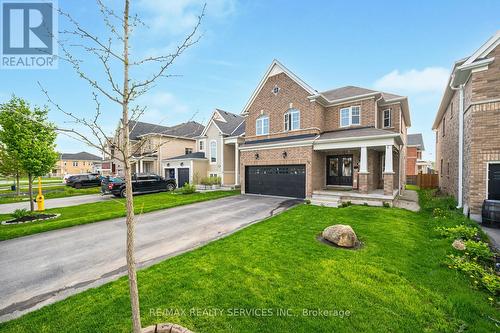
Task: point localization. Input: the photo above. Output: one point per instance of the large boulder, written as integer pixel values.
(341, 235)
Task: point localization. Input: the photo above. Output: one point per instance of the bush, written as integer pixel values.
(386, 204)
(478, 251)
(480, 276)
(209, 181)
(188, 188)
(460, 231)
(20, 213)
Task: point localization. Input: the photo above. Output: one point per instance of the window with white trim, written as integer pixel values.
(75, 163)
(387, 118)
(201, 145)
(350, 116)
(213, 151)
(262, 125)
(292, 120)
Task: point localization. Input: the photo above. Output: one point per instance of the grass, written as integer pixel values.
(412, 187)
(396, 282)
(50, 193)
(104, 210)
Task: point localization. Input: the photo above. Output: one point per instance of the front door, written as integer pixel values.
(494, 181)
(183, 174)
(339, 170)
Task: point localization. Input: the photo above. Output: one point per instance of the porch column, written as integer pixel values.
(236, 163)
(363, 171)
(141, 166)
(388, 172)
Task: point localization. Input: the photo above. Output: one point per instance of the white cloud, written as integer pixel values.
(162, 108)
(180, 16)
(427, 80)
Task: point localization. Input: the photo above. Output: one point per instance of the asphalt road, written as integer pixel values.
(55, 203)
(41, 269)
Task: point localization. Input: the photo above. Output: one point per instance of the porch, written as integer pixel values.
(361, 170)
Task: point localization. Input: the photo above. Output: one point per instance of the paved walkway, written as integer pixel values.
(408, 200)
(55, 203)
(43, 268)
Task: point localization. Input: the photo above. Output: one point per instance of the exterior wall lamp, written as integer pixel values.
(284, 154)
(256, 156)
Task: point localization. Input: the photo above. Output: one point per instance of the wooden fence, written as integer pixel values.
(411, 180)
(427, 180)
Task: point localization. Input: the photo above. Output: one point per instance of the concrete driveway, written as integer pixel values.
(41, 269)
(55, 203)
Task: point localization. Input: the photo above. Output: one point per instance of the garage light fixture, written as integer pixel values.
(182, 163)
(256, 156)
(284, 154)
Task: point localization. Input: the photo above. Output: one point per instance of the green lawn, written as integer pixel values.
(397, 282)
(105, 210)
(412, 187)
(50, 193)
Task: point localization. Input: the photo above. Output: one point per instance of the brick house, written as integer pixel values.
(467, 125)
(414, 148)
(303, 143)
(75, 163)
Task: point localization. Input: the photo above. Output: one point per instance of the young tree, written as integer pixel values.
(28, 135)
(113, 54)
(10, 166)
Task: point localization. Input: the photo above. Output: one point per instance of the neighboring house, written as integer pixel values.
(467, 129)
(151, 143)
(216, 153)
(71, 164)
(299, 142)
(414, 149)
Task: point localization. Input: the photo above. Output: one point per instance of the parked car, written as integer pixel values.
(141, 183)
(84, 180)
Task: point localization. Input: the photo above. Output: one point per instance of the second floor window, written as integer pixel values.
(213, 151)
(201, 146)
(444, 125)
(350, 116)
(75, 163)
(387, 118)
(262, 125)
(188, 150)
(292, 120)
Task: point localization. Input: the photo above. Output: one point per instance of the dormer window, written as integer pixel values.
(350, 116)
(262, 125)
(387, 118)
(292, 120)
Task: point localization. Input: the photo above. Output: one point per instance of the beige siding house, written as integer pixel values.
(152, 143)
(216, 152)
(467, 125)
(347, 143)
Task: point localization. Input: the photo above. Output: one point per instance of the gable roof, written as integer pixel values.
(332, 96)
(188, 129)
(81, 156)
(416, 140)
(461, 70)
(226, 122)
(275, 68)
(196, 155)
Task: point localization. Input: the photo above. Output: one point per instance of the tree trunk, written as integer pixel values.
(30, 190)
(132, 273)
(18, 187)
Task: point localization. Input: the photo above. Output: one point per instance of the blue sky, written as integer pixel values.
(404, 47)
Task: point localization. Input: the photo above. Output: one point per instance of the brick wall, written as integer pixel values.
(411, 161)
(332, 114)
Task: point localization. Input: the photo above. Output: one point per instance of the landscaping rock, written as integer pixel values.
(458, 244)
(341, 235)
(166, 328)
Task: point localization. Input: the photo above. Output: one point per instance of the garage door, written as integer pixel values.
(280, 180)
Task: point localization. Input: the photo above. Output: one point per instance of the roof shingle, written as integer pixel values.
(81, 156)
(189, 129)
(416, 140)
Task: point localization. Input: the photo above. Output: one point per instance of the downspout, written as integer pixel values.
(460, 89)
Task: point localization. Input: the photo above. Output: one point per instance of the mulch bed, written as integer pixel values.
(31, 218)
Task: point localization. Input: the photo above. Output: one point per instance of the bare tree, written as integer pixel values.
(113, 57)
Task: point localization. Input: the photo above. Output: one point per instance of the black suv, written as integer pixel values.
(141, 183)
(84, 180)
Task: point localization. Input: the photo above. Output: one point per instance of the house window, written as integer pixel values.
(262, 125)
(188, 150)
(444, 124)
(448, 168)
(213, 151)
(441, 167)
(292, 120)
(451, 110)
(75, 163)
(387, 118)
(201, 146)
(350, 116)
